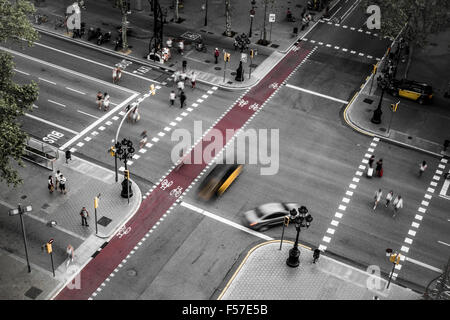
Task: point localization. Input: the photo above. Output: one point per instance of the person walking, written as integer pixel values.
(379, 168)
(172, 97)
(84, 215)
(70, 254)
(389, 197)
(193, 79)
(371, 160)
(181, 47)
(180, 86)
(135, 117)
(316, 255)
(377, 198)
(99, 100)
(182, 99)
(216, 55)
(51, 186)
(57, 174)
(143, 140)
(106, 101)
(62, 184)
(423, 166)
(398, 204)
(169, 43)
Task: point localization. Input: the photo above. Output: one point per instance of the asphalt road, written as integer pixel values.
(188, 255)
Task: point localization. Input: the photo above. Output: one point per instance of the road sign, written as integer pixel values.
(272, 17)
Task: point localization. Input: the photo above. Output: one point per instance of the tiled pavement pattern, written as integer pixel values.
(264, 275)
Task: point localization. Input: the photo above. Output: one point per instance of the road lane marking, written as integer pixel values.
(74, 90)
(22, 72)
(446, 244)
(423, 264)
(59, 104)
(51, 123)
(90, 115)
(42, 79)
(225, 221)
(316, 93)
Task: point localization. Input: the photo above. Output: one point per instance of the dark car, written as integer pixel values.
(417, 91)
(268, 215)
(218, 180)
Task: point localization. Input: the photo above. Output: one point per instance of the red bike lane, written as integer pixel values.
(175, 183)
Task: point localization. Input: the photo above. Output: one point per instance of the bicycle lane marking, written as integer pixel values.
(160, 201)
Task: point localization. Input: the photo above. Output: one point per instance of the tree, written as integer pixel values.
(417, 18)
(15, 99)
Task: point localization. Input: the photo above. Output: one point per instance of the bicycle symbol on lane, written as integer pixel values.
(274, 85)
(242, 103)
(254, 106)
(165, 184)
(176, 192)
(123, 231)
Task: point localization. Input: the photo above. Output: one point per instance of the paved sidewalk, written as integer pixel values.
(84, 181)
(264, 275)
(101, 14)
(421, 127)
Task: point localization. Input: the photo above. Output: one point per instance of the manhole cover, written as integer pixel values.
(132, 273)
(233, 73)
(45, 206)
(33, 292)
(104, 221)
(274, 45)
(383, 129)
(23, 197)
(217, 68)
(367, 100)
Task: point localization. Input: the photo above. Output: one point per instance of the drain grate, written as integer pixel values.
(367, 100)
(104, 221)
(217, 68)
(33, 293)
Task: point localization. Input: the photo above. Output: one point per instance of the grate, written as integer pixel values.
(104, 221)
(33, 293)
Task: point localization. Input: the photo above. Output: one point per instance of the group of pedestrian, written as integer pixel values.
(103, 101)
(397, 203)
(378, 167)
(59, 181)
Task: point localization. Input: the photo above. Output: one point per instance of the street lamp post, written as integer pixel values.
(301, 219)
(206, 13)
(125, 152)
(252, 15)
(395, 259)
(376, 118)
(20, 211)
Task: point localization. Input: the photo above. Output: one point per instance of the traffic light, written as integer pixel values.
(127, 174)
(184, 64)
(251, 53)
(394, 106)
(286, 221)
(95, 202)
(226, 57)
(152, 89)
(112, 151)
(48, 247)
(395, 258)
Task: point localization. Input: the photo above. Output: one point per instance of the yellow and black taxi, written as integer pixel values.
(218, 180)
(417, 91)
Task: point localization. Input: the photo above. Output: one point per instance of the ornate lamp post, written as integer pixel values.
(20, 211)
(301, 219)
(376, 118)
(252, 15)
(125, 151)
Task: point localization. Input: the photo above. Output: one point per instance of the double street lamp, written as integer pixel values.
(124, 151)
(20, 211)
(301, 218)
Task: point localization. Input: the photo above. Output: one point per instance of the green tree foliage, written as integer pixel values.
(420, 18)
(15, 99)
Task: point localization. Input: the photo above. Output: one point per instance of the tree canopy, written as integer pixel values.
(15, 99)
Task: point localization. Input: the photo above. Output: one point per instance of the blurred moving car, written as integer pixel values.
(268, 215)
(420, 92)
(218, 180)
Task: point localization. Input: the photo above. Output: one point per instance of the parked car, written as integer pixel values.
(218, 180)
(417, 91)
(268, 215)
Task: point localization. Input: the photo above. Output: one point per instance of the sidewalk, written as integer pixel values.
(84, 181)
(421, 127)
(101, 14)
(264, 275)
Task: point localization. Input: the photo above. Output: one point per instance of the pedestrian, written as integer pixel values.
(62, 184)
(57, 174)
(172, 97)
(176, 76)
(377, 198)
(106, 101)
(84, 215)
(135, 116)
(371, 160)
(193, 79)
(169, 43)
(99, 100)
(423, 166)
(143, 140)
(51, 186)
(379, 168)
(389, 197)
(180, 86)
(182, 99)
(70, 254)
(398, 204)
(316, 255)
(181, 47)
(216, 55)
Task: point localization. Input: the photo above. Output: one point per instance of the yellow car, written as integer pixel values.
(413, 90)
(219, 180)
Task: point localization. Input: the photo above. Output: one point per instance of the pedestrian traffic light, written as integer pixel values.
(395, 258)
(251, 53)
(286, 221)
(48, 247)
(226, 57)
(394, 106)
(112, 151)
(127, 174)
(152, 89)
(95, 202)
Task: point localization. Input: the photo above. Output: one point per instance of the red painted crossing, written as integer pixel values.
(160, 200)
